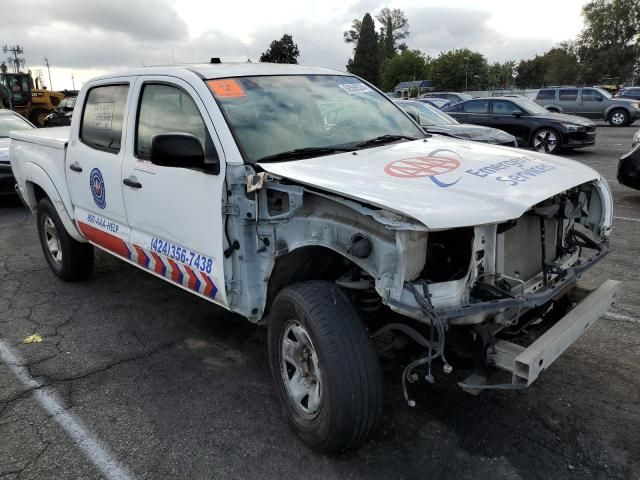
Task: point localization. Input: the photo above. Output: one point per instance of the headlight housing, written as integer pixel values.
(635, 105)
(570, 127)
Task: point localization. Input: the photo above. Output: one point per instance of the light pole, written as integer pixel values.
(466, 73)
(46, 62)
(73, 83)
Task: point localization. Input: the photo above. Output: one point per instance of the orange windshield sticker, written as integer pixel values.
(226, 88)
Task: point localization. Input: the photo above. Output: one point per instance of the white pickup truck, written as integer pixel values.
(304, 199)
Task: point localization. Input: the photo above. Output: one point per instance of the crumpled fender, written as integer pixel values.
(36, 175)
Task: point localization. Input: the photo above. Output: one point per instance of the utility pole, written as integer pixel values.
(46, 62)
(73, 83)
(466, 73)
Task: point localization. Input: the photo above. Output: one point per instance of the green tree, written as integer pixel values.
(609, 45)
(394, 27)
(459, 69)
(500, 75)
(409, 65)
(281, 51)
(353, 34)
(366, 62)
(558, 66)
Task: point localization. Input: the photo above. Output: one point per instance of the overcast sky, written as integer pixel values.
(85, 38)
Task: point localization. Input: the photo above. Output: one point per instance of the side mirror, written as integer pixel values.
(180, 150)
(517, 113)
(415, 117)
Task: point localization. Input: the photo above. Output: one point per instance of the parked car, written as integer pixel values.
(9, 120)
(346, 240)
(439, 103)
(629, 165)
(433, 120)
(61, 116)
(594, 103)
(453, 97)
(632, 93)
(532, 125)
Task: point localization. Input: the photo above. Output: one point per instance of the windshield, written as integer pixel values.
(270, 115)
(531, 107)
(429, 116)
(12, 122)
(604, 93)
(68, 102)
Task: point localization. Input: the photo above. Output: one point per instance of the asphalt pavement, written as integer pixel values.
(135, 378)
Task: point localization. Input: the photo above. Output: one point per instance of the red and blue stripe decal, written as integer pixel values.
(172, 270)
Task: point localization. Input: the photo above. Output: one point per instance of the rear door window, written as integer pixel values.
(102, 117)
(476, 106)
(568, 94)
(547, 94)
(590, 95)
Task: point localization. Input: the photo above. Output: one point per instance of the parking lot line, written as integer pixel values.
(48, 399)
(620, 317)
(628, 219)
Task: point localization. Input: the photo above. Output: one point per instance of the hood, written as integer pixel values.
(566, 118)
(476, 133)
(441, 182)
(4, 150)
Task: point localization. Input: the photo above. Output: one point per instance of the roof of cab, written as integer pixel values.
(224, 70)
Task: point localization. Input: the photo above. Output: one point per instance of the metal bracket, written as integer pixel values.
(230, 209)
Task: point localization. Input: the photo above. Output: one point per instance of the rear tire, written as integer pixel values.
(619, 118)
(37, 116)
(69, 259)
(325, 367)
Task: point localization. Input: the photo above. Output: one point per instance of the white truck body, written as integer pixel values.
(461, 223)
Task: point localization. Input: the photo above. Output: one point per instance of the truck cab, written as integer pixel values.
(305, 200)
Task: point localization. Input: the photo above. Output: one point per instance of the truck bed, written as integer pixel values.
(56, 137)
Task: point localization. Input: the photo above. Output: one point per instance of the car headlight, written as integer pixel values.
(571, 128)
(636, 139)
(635, 105)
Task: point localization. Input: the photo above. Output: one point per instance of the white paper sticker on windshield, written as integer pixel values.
(103, 115)
(355, 88)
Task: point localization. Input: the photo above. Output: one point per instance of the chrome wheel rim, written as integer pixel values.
(617, 118)
(300, 370)
(52, 240)
(545, 141)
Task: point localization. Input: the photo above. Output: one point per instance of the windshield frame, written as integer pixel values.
(420, 134)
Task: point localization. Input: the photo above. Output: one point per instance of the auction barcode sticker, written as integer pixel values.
(355, 88)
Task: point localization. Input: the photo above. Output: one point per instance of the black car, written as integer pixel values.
(61, 116)
(632, 93)
(629, 165)
(531, 124)
(433, 120)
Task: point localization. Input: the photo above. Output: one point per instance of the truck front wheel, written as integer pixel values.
(325, 367)
(69, 259)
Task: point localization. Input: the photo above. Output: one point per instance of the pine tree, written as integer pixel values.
(366, 62)
(282, 51)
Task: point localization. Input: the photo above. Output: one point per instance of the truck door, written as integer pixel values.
(94, 164)
(175, 214)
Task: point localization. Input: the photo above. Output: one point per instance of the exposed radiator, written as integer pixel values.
(523, 247)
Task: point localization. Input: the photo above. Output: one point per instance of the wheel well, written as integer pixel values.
(616, 109)
(303, 264)
(38, 193)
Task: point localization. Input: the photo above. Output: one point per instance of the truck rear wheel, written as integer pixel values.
(69, 259)
(325, 367)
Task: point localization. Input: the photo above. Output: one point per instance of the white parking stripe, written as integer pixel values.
(628, 219)
(620, 317)
(48, 399)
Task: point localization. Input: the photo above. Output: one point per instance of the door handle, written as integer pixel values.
(75, 167)
(130, 182)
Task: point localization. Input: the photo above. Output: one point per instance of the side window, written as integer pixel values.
(548, 94)
(476, 106)
(590, 95)
(568, 94)
(102, 117)
(502, 107)
(168, 109)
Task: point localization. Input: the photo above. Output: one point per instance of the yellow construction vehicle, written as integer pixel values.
(18, 93)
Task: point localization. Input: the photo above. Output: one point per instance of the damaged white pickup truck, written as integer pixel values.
(303, 198)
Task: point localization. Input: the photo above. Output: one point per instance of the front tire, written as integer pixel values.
(546, 140)
(619, 118)
(325, 367)
(69, 259)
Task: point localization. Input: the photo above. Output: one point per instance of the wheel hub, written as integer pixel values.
(300, 370)
(617, 118)
(52, 240)
(545, 141)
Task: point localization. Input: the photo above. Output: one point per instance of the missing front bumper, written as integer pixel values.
(527, 363)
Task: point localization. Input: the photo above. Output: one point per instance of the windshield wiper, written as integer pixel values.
(382, 139)
(300, 153)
